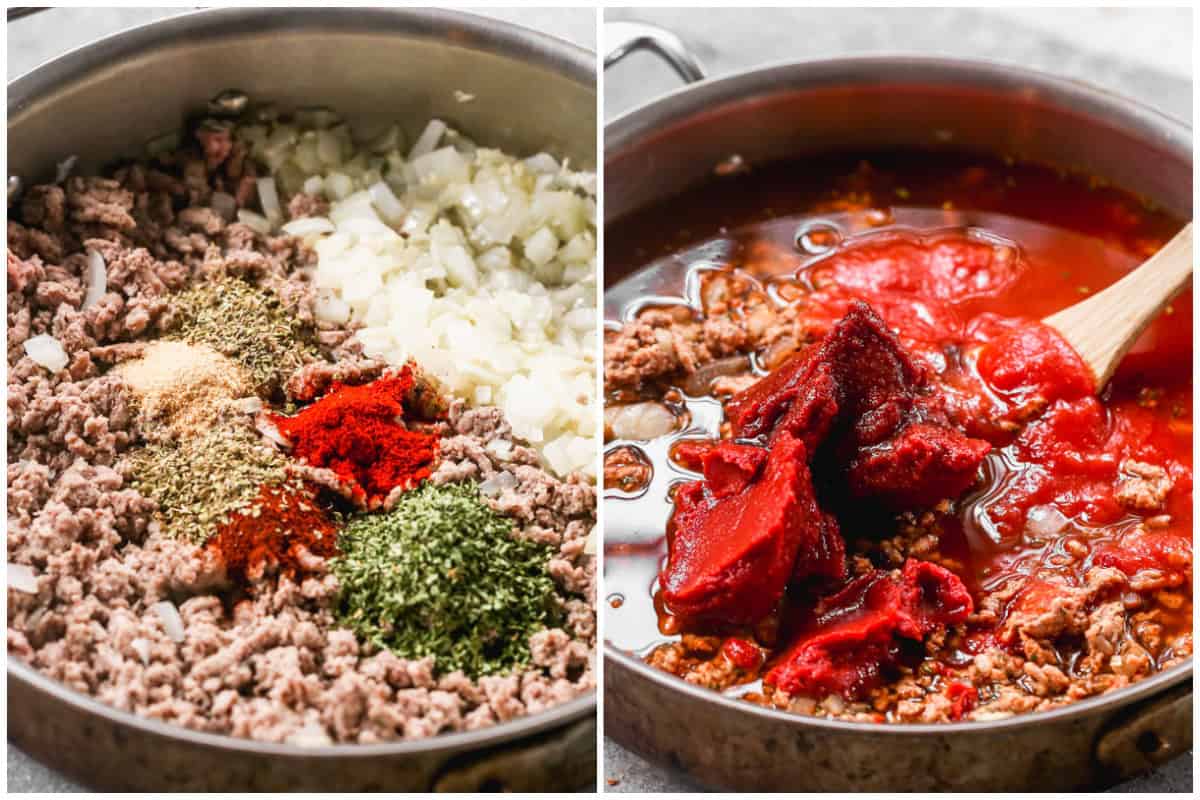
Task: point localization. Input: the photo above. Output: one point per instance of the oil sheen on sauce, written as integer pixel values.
(781, 227)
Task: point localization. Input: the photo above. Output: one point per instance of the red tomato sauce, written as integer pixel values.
(961, 257)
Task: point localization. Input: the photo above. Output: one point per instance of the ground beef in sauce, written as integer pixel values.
(663, 343)
(271, 664)
(1143, 487)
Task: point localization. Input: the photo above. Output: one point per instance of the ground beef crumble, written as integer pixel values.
(269, 664)
(663, 343)
(1143, 488)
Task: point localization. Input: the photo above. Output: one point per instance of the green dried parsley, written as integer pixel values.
(442, 575)
(247, 324)
(197, 482)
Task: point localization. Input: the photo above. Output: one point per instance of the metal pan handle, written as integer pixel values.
(623, 38)
(16, 12)
(562, 758)
(1147, 735)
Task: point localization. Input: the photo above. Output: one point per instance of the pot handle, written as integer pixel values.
(1152, 733)
(561, 760)
(16, 12)
(623, 38)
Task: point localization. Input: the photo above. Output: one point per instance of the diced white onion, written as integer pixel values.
(225, 204)
(22, 578)
(311, 735)
(46, 351)
(172, 622)
(542, 164)
(142, 648)
(267, 428)
(97, 280)
(541, 246)
(309, 226)
(255, 221)
(428, 140)
(329, 150)
(500, 448)
(314, 185)
(316, 117)
(386, 202)
(338, 185)
(248, 405)
(497, 484)
(330, 308)
(640, 421)
(268, 195)
(1044, 522)
(443, 166)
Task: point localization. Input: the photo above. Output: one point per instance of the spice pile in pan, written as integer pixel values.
(223, 512)
(888, 492)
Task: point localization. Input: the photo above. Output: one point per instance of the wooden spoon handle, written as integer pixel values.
(1104, 327)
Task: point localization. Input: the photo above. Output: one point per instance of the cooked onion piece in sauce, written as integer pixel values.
(639, 421)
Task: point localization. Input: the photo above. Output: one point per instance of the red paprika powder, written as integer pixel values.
(280, 528)
(359, 433)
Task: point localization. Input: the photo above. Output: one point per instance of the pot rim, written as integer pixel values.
(1155, 684)
(788, 75)
(656, 114)
(486, 34)
(518, 728)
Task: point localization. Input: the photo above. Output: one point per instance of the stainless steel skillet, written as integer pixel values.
(806, 109)
(105, 100)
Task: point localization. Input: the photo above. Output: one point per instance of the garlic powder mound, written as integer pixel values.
(182, 386)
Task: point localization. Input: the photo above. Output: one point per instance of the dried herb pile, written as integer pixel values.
(442, 575)
(247, 324)
(198, 482)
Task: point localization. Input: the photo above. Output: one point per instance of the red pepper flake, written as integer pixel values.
(742, 654)
(284, 527)
(963, 699)
(359, 433)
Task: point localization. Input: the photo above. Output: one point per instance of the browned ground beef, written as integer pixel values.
(270, 664)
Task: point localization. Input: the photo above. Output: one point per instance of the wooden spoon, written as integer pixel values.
(1104, 327)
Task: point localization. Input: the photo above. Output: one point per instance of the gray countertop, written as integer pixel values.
(1142, 53)
(44, 36)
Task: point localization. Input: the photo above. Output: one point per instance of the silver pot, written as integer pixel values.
(805, 109)
(105, 100)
